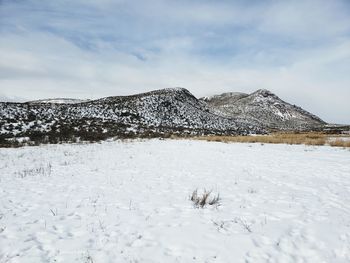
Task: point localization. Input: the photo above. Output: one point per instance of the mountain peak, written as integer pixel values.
(263, 92)
(267, 108)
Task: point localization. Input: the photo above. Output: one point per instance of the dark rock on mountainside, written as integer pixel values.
(264, 107)
(171, 111)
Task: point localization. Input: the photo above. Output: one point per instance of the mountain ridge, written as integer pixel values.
(171, 111)
(265, 107)
(57, 101)
(155, 113)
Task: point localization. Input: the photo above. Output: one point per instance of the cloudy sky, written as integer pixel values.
(299, 50)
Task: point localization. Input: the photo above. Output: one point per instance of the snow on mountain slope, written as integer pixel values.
(129, 202)
(225, 98)
(58, 101)
(162, 110)
(265, 107)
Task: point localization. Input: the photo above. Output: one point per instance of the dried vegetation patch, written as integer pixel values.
(311, 138)
(340, 143)
(204, 199)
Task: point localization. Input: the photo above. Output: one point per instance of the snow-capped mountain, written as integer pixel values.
(264, 107)
(161, 111)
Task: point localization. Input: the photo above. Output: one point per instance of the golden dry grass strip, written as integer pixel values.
(340, 143)
(306, 138)
(286, 138)
(278, 138)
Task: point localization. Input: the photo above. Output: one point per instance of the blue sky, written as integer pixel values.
(88, 49)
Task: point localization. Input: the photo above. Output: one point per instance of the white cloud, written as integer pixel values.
(297, 49)
(310, 19)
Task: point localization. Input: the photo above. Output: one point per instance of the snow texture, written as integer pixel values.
(128, 201)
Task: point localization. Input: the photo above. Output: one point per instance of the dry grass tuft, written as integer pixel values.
(203, 200)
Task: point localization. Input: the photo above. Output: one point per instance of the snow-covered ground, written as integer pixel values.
(129, 202)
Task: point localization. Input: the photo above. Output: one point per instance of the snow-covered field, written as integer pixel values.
(129, 202)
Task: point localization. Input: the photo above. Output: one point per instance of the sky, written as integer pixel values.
(300, 50)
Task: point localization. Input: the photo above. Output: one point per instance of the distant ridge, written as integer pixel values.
(264, 107)
(58, 101)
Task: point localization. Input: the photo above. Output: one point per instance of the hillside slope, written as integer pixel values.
(161, 111)
(265, 107)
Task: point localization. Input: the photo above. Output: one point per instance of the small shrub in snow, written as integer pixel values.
(38, 171)
(201, 200)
